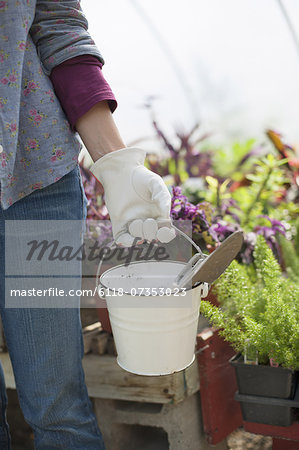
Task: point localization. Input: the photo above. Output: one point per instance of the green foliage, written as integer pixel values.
(287, 212)
(259, 307)
(216, 191)
(260, 197)
(290, 254)
(296, 240)
(227, 162)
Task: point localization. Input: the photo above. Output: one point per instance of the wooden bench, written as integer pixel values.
(105, 379)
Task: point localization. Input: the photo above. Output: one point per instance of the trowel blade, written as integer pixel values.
(218, 261)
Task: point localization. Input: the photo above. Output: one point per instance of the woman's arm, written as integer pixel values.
(99, 132)
(59, 31)
(137, 199)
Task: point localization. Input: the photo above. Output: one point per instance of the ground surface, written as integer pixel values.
(241, 440)
(22, 436)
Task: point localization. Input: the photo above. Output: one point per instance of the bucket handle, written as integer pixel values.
(182, 233)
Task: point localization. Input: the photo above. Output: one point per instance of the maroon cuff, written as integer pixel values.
(79, 84)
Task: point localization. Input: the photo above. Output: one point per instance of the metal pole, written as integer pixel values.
(289, 24)
(171, 59)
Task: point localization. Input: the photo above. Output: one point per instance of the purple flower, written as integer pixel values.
(221, 230)
(246, 254)
(184, 154)
(96, 208)
(182, 209)
(276, 225)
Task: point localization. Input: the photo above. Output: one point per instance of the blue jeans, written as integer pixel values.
(45, 344)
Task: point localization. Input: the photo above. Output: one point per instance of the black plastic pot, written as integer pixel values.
(266, 381)
(266, 393)
(268, 410)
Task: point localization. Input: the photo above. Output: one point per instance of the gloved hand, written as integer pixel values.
(137, 199)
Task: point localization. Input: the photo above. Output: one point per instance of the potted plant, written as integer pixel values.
(259, 317)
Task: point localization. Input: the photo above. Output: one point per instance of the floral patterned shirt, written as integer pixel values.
(37, 145)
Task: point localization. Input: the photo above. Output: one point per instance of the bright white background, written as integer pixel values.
(230, 64)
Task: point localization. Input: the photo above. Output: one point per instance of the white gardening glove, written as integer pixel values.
(137, 199)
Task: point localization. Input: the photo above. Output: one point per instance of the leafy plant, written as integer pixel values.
(211, 225)
(243, 181)
(290, 254)
(233, 161)
(259, 307)
(184, 159)
(265, 191)
(261, 192)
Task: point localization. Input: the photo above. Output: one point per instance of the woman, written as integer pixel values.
(51, 86)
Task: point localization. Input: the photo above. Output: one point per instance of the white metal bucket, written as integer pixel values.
(154, 335)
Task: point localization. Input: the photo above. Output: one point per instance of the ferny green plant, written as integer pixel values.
(259, 307)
